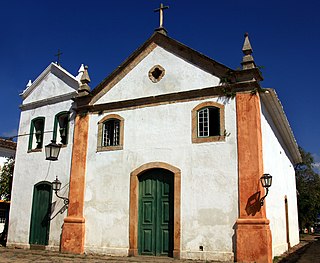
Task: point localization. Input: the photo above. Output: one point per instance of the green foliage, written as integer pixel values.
(6, 179)
(308, 186)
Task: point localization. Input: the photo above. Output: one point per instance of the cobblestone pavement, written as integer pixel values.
(43, 256)
(308, 251)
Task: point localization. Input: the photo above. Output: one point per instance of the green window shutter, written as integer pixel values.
(61, 127)
(36, 133)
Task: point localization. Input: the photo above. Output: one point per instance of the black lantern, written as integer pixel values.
(52, 151)
(56, 185)
(266, 182)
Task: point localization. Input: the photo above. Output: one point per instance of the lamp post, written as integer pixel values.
(266, 182)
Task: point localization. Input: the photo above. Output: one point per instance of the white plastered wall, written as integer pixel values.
(31, 168)
(209, 180)
(50, 86)
(277, 163)
(179, 76)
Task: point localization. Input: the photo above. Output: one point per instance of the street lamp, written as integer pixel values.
(56, 185)
(52, 151)
(266, 182)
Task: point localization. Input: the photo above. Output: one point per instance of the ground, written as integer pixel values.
(307, 251)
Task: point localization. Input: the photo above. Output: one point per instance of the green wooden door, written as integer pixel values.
(40, 215)
(156, 213)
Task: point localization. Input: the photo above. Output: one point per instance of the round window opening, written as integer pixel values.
(156, 73)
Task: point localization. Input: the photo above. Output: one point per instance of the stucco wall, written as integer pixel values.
(162, 133)
(179, 76)
(31, 168)
(54, 83)
(277, 163)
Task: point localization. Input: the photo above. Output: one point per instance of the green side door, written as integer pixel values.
(156, 213)
(40, 215)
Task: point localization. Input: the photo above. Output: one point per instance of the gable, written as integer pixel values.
(154, 51)
(179, 75)
(52, 83)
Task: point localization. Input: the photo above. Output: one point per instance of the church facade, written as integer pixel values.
(164, 157)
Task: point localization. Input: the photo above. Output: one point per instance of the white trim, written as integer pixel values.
(51, 68)
(275, 108)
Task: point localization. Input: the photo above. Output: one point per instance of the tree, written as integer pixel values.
(308, 186)
(6, 175)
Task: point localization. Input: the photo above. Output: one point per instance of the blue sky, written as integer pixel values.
(285, 36)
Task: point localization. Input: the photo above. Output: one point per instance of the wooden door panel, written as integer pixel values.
(155, 213)
(147, 213)
(147, 241)
(40, 216)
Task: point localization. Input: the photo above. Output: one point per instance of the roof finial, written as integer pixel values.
(84, 88)
(80, 72)
(58, 55)
(247, 61)
(161, 29)
(29, 83)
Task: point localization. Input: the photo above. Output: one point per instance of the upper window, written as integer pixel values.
(110, 133)
(208, 122)
(61, 128)
(36, 134)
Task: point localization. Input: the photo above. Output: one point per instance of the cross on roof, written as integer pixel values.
(160, 10)
(58, 55)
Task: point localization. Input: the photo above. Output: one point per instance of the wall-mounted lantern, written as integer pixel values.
(56, 185)
(52, 151)
(266, 182)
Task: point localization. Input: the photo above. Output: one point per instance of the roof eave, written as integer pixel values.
(274, 106)
(176, 47)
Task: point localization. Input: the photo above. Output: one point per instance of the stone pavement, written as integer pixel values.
(308, 251)
(44, 256)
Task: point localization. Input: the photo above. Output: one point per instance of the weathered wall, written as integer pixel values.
(31, 168)
(179, 76)
(56, 82)
(277, 163)
(208, 179)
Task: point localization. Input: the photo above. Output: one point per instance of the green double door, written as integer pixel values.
(40, 215)
(155, 235)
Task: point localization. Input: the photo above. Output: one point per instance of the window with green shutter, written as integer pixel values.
(36, 134)
(61, 127)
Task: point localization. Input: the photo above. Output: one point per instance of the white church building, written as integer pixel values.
(164, 158)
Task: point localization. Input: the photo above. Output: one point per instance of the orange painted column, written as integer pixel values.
(73, 233)
(253, 235)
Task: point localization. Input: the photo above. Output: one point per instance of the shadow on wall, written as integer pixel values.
(253, 204)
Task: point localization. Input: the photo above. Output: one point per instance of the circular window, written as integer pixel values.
(156, 73)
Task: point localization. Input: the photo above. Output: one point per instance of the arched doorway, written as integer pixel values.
(40, 215)
(142, 180)
(155, 218)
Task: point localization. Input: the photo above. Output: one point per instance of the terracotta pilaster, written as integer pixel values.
(253, 235)
(73, 233)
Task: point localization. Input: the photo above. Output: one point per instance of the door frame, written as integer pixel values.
(134, 205)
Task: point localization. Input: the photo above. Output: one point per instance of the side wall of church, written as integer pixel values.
(32, 168)
(277, 163)
(209, 179)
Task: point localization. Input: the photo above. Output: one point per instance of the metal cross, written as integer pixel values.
(58, 55)
(160, 10)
